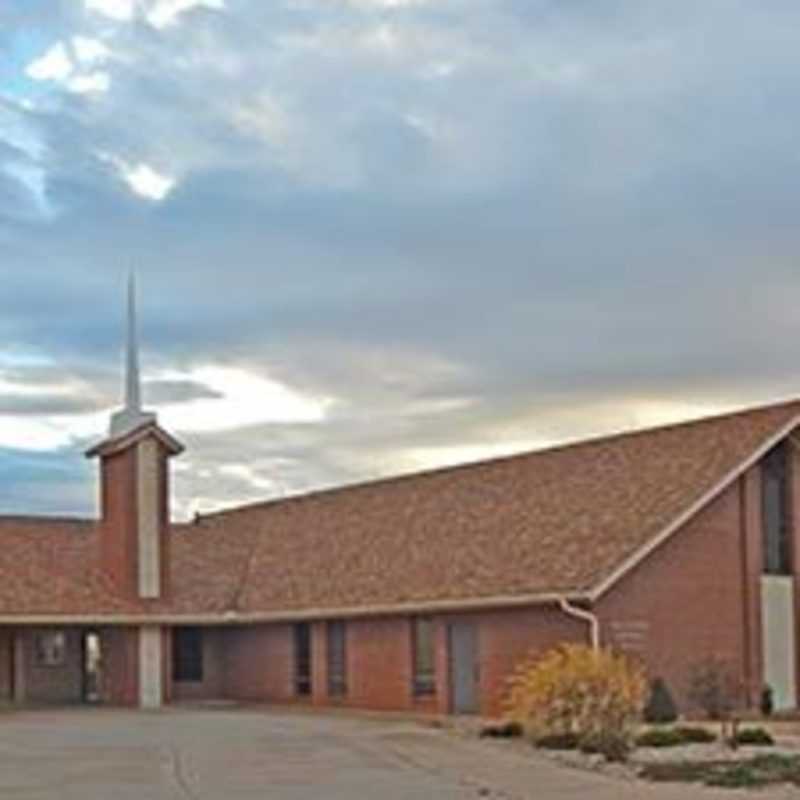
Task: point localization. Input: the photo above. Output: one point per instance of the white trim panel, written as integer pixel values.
(778, 626)
(147, 519)
(150, 667)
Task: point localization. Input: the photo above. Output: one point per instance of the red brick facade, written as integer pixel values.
(118, 503)
(697, 595)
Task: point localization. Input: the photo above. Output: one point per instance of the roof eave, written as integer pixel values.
(231, 617)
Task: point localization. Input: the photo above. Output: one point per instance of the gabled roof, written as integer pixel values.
(149, 427)
(563, 521)
(568, 521)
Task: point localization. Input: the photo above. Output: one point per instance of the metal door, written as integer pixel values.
(463, 667)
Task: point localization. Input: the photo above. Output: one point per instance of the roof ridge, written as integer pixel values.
(469, 465)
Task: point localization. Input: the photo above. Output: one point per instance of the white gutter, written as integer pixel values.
(230, 617)
(586, 616)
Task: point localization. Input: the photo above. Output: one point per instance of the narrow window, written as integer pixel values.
(337, 658)
(302, 659)
(776, 512)
(422, 649)
(187, 655)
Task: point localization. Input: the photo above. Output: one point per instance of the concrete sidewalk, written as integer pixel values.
(246, 754)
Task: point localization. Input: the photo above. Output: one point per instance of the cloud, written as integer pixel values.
(397, 233)
(121, 10)
(54, 65)
(141, 178)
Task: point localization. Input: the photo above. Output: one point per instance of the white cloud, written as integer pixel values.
(54, 65)
(263, 117)
(141, 178)
(166, 12)
(245, 399)
(62, 67)
(120, 10)
(88, 50)
(92, 82)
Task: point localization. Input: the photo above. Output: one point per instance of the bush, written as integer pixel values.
(501, 730)
(558, 741)
(753, 736)
(660, 737)
(660, 708)
(673, 737)
(694, 735)
(595, 695)
(767, 701)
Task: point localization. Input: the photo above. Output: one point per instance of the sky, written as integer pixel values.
(378, 236)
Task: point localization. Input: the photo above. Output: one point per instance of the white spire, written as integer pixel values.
(133, 392)
(131, 416)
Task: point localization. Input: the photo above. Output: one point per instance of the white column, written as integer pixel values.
(780, 652)
(147, 507)
(150, 667)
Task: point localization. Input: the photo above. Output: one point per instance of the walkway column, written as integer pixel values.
(151, 690)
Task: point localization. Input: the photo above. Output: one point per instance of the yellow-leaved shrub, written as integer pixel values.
(594, 695)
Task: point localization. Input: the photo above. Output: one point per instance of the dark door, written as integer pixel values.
(464, 674)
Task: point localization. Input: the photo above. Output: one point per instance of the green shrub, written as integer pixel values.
(673, 737)
(660, 708)
(695, 735)
(753, 736)
(558, 741)
(501, 730)
(660, 737)
(767, 703)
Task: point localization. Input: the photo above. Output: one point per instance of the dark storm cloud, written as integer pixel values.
(468, 222)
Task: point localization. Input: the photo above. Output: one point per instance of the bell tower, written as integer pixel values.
(134, 487)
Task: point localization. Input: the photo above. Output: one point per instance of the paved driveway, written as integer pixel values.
(244, 754)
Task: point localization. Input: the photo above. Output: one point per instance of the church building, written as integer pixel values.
(678, 545)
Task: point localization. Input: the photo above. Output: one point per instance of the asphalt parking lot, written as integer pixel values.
(228, 754)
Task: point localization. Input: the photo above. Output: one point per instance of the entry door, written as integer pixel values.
(463, 667)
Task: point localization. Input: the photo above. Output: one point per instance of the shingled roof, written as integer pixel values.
(562, 521)
(554, 522)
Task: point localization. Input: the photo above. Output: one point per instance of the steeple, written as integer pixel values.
(131, 416)
(133, 395)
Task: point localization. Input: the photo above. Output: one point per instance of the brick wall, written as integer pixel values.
(118, 547)
(258, 660)
(6, 665)
(697, 596)
(506, 637)
(119, 496)
(259, 663)
(120, 677)
(61, 683)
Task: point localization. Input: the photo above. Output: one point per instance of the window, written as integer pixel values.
(776, 512)
(302, 659)
(50, 648)
(187, 655)
(422, 649)
(337, 658)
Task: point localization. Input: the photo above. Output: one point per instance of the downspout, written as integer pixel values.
(586, 616)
